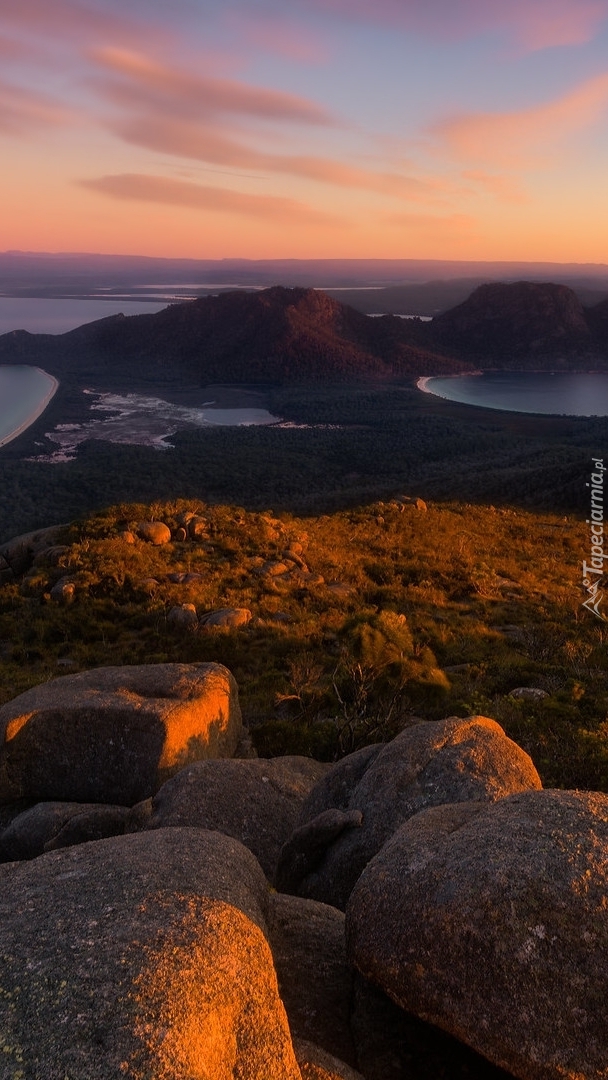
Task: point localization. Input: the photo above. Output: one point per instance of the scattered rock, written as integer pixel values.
(127, 536)
(226, 617)
(273, 568)
(340, 589)
(141, 956)
(309, 578)
(198, 527)
(417, 503)
(183, 617)
(154, 532)
(180, 535)
(184, 518)
(64, 590)
(508, 901)
(528, 693)
(429, 763)
(115, 735)
(255, 801)
(50, 825)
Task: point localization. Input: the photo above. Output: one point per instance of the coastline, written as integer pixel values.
(38, 411)
(423, 382)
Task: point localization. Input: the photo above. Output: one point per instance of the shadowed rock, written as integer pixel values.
(48, 826)
(315, 978)
(183, 617)
(494, 928)
(317, 1064)
(307, 846)
(428, 764)
(255, 801)
(141, 956)
(115, 735)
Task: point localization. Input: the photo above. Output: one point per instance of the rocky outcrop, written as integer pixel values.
(428, 764)
(254, 801)
(115, 735)
(490, 921)
(141, 956)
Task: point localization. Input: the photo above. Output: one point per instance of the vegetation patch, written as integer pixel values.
(361, 621)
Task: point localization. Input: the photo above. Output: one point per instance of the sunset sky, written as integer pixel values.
(440, 129)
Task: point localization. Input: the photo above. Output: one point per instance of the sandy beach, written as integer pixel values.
(38, 411)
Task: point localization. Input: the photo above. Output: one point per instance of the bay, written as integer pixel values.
(553, 394)
(24, 394)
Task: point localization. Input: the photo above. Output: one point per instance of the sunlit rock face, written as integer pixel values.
(490, 921)
(357, 807)
(141, 956)
(114, 735)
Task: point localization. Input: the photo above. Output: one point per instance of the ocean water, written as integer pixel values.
(559, 394)
(24, 394)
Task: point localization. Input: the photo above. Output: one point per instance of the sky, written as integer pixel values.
(426, 129)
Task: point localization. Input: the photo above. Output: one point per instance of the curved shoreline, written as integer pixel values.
(422, 384)
(38, 411)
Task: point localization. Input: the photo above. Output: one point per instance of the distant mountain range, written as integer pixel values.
(297, 334)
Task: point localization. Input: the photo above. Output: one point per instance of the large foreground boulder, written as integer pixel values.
(430, 763)
(255, 801)
(141, 956)
(492, 923)
(116, 734)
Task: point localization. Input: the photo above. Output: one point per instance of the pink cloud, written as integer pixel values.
(210, 144)
(68, 19)
(21, 110)
(172, 112)
(515, 138)
(535, 24)
(138, 187)
(137, 76)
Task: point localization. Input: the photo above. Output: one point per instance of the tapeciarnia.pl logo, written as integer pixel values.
(593, 571)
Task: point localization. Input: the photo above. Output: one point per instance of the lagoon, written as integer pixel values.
(553, 394)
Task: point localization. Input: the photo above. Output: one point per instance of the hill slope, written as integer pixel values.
(524, 322)
(274, 335)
